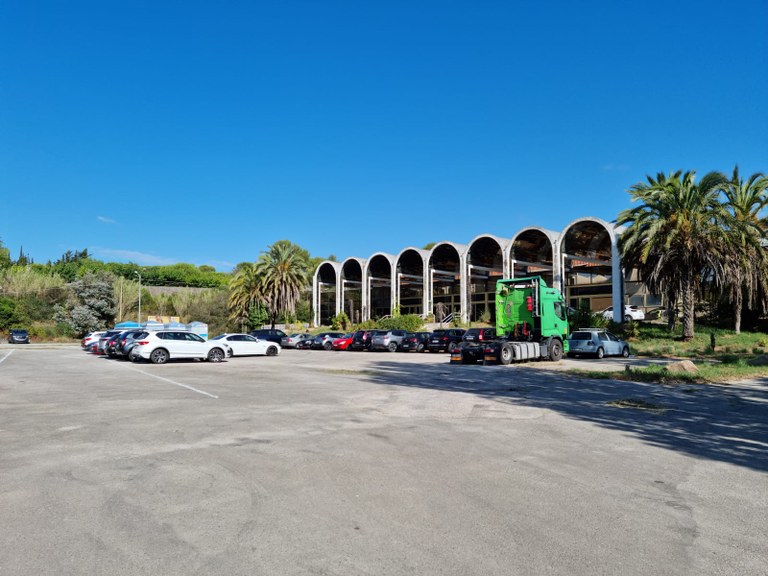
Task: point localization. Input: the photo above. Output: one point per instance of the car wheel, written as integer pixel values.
(216, 355)
(627, 318)
(556, 351)
(420, 348)
(451, 346)
(159, 356)
(625, 352)
(272, 351)
(328, 346)
(392, 347)
(600, 353)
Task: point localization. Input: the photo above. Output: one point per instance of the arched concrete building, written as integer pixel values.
(379, 278)
(412, 282)
(582, 261)
(533, 252)
(326, 297)
(591, 265)
(487, 260)
(352, 292)
(447, 279)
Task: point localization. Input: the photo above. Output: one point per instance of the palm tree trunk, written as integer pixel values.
(737, 306)
(671, 311)
(688, 306)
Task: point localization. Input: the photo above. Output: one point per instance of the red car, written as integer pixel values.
(343, 342)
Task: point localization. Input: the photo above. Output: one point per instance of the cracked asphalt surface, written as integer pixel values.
(372, 463)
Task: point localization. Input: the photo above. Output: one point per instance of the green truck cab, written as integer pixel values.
(531, 323)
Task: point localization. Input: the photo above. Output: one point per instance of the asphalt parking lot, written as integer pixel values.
(372, 463)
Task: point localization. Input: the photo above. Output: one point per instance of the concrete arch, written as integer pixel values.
(352, 287)
(448, 279)
(412, 280)
(591, 265)
(378, 277)
(487, 260)
(327, 274)
(534, 251)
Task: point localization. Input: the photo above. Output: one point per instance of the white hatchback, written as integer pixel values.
(246, 345)
(630, 313)
(163, 345)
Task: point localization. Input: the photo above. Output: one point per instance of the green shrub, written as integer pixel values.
(408, 322)
(631, 330)
(340, 321)
(583, 317)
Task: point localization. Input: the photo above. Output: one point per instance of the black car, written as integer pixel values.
(272, 335)
(445, 339)
(417, 341)
(479, 335)
(473, 344)
(361, 340)
(18, 336)
(305, 344)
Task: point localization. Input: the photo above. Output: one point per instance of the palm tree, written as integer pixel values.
(283, 273)
(677, 236)
(749, 265)
(244, 290)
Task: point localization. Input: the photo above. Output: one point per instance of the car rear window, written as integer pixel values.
(581, 335)
(439, 332)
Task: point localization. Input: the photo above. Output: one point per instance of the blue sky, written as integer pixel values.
(162, 132)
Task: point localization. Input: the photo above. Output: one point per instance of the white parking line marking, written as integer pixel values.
(6, 356)
(175, 383)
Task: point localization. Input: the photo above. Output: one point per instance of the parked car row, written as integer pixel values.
(162, 345)
(441, 340)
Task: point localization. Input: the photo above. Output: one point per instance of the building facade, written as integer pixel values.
(582, 261)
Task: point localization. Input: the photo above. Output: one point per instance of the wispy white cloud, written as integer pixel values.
(615, 167)
(220, 265)
(133, 256)
(106, 220)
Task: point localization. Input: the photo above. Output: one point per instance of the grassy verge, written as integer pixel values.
(728, 362)
(722, 371)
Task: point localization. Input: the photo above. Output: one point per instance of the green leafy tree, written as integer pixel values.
(7, 312)
(678, 236)
(283, 273)
(91, 305)
(5, 256)
(748, 265)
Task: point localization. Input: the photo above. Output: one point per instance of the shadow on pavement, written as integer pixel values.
(723, 423)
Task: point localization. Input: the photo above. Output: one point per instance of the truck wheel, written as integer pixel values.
(505, 355)
(600, 353)
(556, 351)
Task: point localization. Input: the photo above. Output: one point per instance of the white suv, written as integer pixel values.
(630, 313)
(159, 347)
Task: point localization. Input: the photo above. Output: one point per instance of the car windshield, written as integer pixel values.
(219, 337)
